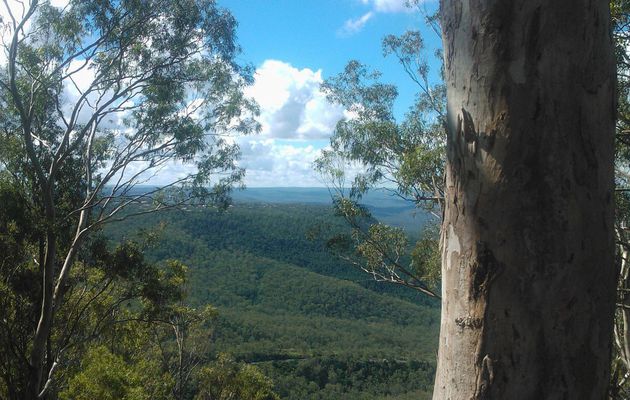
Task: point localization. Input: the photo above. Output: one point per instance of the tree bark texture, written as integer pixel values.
(528, 244)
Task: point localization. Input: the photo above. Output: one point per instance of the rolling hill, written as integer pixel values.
(318, 327)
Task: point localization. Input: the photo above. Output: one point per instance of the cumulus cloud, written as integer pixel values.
(267, 163)
(297, 121)
(355, 25)
(272, 162)
(291, 102)
(278, 163)
(388, 6)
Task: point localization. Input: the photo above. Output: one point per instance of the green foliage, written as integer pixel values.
(182, 335)
(120, 308)
(384, 245)
(426, 258)
(351, 377)
(113, 296)
(292, 233)
(107, 376)
(283, 298)
(406, 156)
(227, 380)
(97, 97)
(278, 294)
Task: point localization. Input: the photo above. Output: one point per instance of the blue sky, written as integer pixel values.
(294, 45)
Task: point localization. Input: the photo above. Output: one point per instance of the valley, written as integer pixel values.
(318, 327)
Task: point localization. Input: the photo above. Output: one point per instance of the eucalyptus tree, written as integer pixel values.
(512, 232)
(371, 149)
(99, 97)
(620, 383)
(528, 276)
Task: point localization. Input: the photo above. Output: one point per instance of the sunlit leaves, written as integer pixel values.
(426, 260)
(157, 78)
(382, 246)
(388, 152)
(370, 148)
(108, 376)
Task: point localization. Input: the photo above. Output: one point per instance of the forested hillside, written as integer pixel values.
(480, 170)
(316, 326)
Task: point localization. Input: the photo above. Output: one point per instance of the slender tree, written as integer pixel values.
(97, 97)
(407, 157)
(528, 243)
(620, 382)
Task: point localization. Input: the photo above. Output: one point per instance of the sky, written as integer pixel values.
(296, 44)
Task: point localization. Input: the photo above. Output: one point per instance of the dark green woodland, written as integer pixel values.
(313, 323)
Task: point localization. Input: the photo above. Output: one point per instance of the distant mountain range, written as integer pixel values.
(382, 203)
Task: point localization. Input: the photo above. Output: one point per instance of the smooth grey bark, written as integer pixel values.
(528, 245)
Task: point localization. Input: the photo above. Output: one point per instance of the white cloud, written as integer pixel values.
(353, 26)
(292, 104)
(277, 163)
(81, 79)
(390, 6)
(18, 9)
(267, 162)
(272, 162)
(297, 122)
(393, 6)
(59, 3)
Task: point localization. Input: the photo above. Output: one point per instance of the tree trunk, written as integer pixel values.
(40, 347)
(528, 244)
(37, 361)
